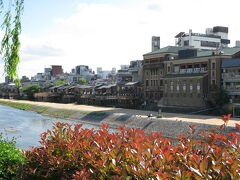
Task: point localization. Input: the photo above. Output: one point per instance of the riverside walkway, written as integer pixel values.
(203, 119)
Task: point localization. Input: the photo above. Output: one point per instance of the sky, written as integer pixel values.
(108, 33)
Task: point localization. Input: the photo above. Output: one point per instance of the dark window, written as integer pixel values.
(168, 68)
(186, 43)
(146, 82)
(213, 65)
(209, 44)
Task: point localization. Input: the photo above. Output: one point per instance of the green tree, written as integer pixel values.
(60, 82)
(30, 90)
(11, 12)
(218, 97)
(82, 81)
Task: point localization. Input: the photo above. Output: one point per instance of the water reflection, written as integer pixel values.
(26, 126)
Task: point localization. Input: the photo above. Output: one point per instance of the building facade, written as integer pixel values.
(174, 76)
(214, 38)
(231, 78)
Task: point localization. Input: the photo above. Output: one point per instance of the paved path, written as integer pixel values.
(213, 120)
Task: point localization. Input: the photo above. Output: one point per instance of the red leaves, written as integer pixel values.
(237, 127)
(226, 118)
(72, 152)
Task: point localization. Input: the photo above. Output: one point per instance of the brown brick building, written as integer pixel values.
(56, 70)
(178, 76)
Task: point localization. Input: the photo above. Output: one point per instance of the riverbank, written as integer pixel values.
(170, 125)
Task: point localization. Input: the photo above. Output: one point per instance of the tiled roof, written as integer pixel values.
(226, 63)
(168, 49)
(185, 75)
(200, 53)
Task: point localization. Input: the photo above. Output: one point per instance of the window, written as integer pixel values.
(184, 88)
(198, 87)
(146, 82)
(213, 82)
(213, 73)
(190, 87)
(213, 65)
(168, 68)
(186, 43)
(177, 87)
(171, 85)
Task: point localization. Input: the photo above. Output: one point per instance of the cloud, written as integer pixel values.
(154, 7)
(104, 35)
(42, 50)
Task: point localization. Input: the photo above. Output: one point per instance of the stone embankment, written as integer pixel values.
(169, 125)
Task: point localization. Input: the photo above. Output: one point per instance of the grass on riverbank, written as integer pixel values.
(57, 113)
(22, 106)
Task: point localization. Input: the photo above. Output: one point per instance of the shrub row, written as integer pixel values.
(70, 152)
(11, 158)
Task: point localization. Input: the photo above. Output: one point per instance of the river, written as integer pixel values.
(26, 126)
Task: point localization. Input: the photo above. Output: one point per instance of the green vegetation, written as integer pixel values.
(82, 81)
(61, 113)
(10, 159)
(218, 97)
(159, 116)
(99, 114)
(21, 106)
(41, 110)
(30, 90)
(60, 82)
(11, 26)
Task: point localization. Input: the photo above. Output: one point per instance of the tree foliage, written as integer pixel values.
(82, 81)
(60, 82)
(30, 90)
(218, 97)
(11, 25)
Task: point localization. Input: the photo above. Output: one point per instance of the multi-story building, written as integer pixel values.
(154, 71)
(231, 78)
(135, 69)
(214, 38)
(83, 71)
(56, 70)
(178, 76)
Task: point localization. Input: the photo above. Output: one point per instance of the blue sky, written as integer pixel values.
(108, 33)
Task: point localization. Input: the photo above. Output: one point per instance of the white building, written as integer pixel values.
(214, 38)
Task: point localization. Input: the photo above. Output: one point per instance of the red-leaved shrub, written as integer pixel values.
(70, 152)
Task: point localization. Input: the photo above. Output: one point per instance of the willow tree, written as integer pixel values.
(11, 12)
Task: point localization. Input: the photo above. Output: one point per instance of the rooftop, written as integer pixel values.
(168, 49)
(200, 53)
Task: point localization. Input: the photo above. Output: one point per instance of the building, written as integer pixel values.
(155, 43)
(179, 76)
(123, 75)
(83, 71)
(214, 38)
(154, 72)
(105, 74)
(135, 70)
(56, 70)
(231, 78)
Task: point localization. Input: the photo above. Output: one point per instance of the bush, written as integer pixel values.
(69, 152)
(30, 90)
(10, 159)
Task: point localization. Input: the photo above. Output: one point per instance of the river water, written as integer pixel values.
(26, 127)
